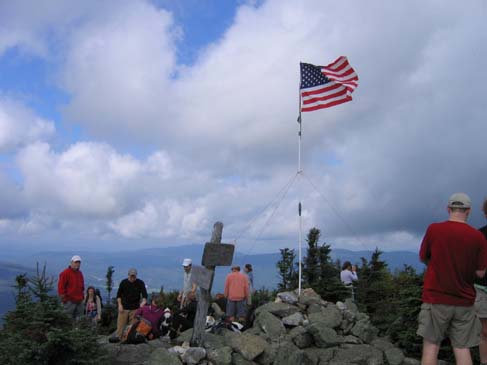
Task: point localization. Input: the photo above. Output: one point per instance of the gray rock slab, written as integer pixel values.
(249, 346)
(323, 335)
(382, 344)
(320, 356)
(220, 356)
(330, 315)
(357, 354)
(288, 297)
(284, 353)
(128, 354)
(163, 356)
(300, 337)
(293, 320)
(270, 324)
(394, 356)
(238, 359)
(193, 355)
(364, 330)
(411, 361)
(184, 337)
(279, 309)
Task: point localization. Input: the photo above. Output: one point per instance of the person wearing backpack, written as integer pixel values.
(153, 313)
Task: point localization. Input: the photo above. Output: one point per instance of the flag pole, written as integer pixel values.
(299, 205)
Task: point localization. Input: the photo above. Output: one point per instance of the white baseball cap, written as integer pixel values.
(187, 262)
(75, 258)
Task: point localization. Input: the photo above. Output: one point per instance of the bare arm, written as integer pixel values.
(480, 273)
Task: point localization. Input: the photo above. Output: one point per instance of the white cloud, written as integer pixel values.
(224, 130)
(20, 126)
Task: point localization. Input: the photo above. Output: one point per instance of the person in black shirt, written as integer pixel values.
(131, 295)
(481, 301)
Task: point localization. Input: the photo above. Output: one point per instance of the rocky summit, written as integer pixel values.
(290, 331)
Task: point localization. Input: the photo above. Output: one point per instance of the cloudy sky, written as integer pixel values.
(127, 124)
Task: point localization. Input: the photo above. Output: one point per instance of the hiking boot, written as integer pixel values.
(114, 339)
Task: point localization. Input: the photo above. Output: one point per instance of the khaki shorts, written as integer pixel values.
(481, 304)
(460, 324)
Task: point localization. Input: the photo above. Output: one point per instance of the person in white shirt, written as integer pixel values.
(349, 273)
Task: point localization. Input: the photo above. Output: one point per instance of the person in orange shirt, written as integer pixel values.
(237, 294)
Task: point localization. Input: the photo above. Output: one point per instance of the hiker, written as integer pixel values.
(218, 307)
(188, 285)
(131, 295)
(481, 301)
(183, 319)
(250, 275)
(153, 313)
(347, 276)
(92, 305)
(455, 253)
(237, 294)
(71, 288)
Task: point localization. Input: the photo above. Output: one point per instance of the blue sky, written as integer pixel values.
(140, 123)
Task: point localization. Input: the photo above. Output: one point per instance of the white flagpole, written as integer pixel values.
(299, 206)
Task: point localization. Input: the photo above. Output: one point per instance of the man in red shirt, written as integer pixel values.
(71, 288)
(237, 294)
(455, 254)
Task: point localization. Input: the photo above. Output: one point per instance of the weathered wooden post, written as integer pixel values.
(212, 256)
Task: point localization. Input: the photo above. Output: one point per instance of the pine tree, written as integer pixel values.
(407, 304)
(39, 331)
(311, 269)
(375, 290)
(109, 282)
(286, 269)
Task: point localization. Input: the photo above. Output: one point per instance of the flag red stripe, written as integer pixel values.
(330, 86)
(327, 105)
(340, 92)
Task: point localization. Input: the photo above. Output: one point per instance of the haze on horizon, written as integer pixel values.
(131, 124)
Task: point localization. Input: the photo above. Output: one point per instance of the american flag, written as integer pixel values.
(326, 86)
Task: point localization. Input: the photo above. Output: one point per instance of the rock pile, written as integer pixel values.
(290, 331)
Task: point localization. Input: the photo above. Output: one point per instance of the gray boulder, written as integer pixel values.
(330, 315)
(320, 356)
(220, 356)
(163, 356)
(411, 361)
(128, 354)
(270, 324)
(288, 297)
(238, 359)
(278, 309)
(284, 353)
(357, 354)
(293, 320)
(394, 356)
(300, 337)
(249, 346)
(364, 330)
(193, 355)
(323, 335)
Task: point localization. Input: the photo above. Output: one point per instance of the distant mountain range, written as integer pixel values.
(161, 267)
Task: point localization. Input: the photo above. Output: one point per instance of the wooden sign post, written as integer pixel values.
(215, 254)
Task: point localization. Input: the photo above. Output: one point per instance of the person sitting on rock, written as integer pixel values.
(153, 313)
(183, 319)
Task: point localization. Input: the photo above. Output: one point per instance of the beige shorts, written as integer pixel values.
(481, 304)
(460, 324)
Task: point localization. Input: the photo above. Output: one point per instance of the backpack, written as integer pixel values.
(137, 332)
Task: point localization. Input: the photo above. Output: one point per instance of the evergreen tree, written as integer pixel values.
(407, 304)
(329, 285)
(311, 269)
(109, 282)
(375, 290)
(286, 269)
(38, 331)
